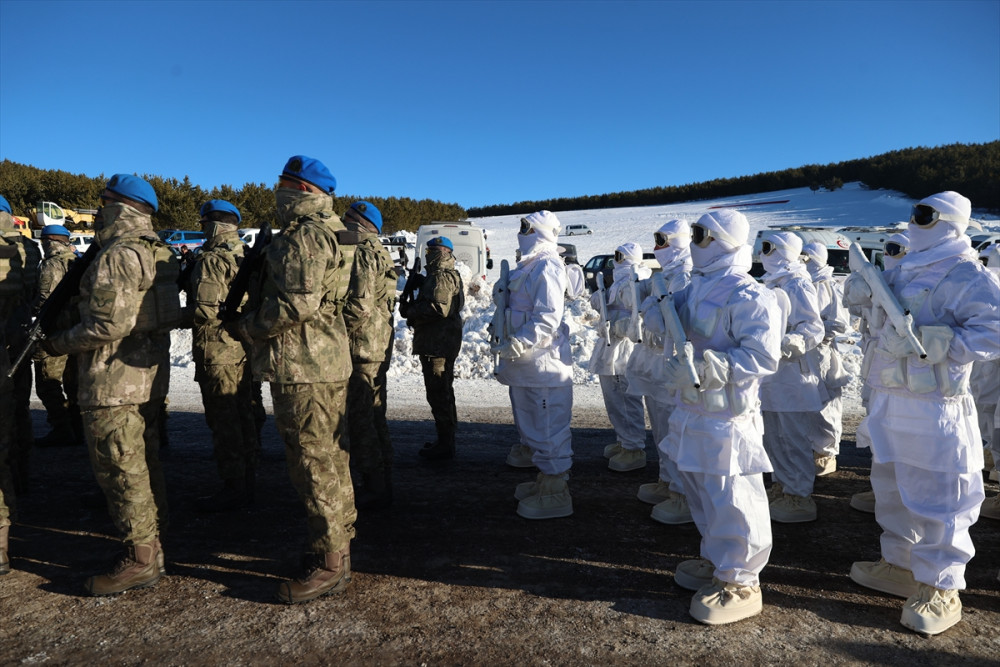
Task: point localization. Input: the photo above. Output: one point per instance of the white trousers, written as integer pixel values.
(925, 517)
(732, 515)
(659, 421)
(624, 411)
(828, 441)
(788, 441)
(542, 416)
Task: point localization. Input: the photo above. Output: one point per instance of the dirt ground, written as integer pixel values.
(450, 575)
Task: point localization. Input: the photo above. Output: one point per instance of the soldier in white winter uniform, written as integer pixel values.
(535, 363)
(715, 437)
(927, 453)
(792, 399)
(893, 251)
(608, 362)
(672, 247)
(985, 387)
(830, 299)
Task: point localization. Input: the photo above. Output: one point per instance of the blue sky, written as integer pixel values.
(489, 102)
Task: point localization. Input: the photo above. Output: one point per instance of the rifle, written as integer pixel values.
(229, 310)
(682, 346)
(412, 282)
(605, 323)
(634, 322)
(53, 306)
(498, 328)
(900, 318)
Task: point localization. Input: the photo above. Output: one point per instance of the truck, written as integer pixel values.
(50, 213)
(469, 241)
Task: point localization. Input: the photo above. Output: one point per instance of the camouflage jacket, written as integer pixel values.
(371, 301)
(436, 314)
(19, 260)
(294, 317)
(50, 273)
(117, 363)
(213, 272)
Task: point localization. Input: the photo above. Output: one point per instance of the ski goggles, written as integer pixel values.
(894, 249)
(526, 227)
(926, 216)
(767, 247)
(663, 239)
(701, 236)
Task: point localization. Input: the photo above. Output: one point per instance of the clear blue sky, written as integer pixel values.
(489, 102)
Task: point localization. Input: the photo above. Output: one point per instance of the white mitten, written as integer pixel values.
(512, 349)
(857, 292)
(620, 327)
(793, 345)
(713, 371)
(936, 341)
(673, 372)
(899, 347)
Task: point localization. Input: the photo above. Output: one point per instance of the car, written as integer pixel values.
(605, 264)
(81, 242)
(568, 252)
(576, 230)
(178, 237)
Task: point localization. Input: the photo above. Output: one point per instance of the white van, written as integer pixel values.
(468, 239)
(575, 230)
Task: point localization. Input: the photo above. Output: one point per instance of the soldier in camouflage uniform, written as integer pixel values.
(11, 289)
(368, 317)
(220, 360)
(18, 316)
(52, 373)
(436, 318)
(128, 304)
(295, 323)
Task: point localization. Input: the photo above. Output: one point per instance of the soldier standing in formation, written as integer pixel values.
(436, 318)
(221, 368)
(128, 304)
(368, 317)
(295, 323)
(54, 373)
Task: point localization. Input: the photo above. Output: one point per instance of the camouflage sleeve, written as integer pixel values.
(362, 296)
(296, 264)
(109, 311)
(51, 272)
(436, 297)
(210, 281)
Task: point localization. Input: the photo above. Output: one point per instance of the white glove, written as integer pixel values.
(673, 372)
(936, 341)
(713, 371)
(793, 345)
(620, 327)
(652, 320)
(512, 349)
(899, 347)
(856, 291)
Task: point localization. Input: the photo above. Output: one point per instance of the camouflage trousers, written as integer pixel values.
(226, 393)
(439, 378)
(6, 437)
(124, 443)
(23, 434)
(312, 424)
(52, 375)
(370, 444)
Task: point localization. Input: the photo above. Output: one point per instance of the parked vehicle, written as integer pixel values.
(605, 264)
(568, 252)
(178, 237)
(81, 242)
(249, 235)
(468, 239)
(576, 230)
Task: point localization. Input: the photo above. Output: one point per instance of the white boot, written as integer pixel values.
(990, 508)
(774, 491)
(882, 576)
(550, 502)
(694, 574)
(612, 449)
(673, 511)
(864, 501)
(520, 457)
(931, 610)
(654, 493)
(525, 489)
(793, 509)
(723, 602)
(627, 459)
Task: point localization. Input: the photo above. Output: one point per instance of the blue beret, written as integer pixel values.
(5, 205)
(311, 171)
(220, 205)
(54, 230)
(369, 212)
(133, 188)
(441, 242)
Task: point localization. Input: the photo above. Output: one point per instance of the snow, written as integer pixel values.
(853, 205)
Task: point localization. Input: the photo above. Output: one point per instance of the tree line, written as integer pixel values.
(971, 169)
(24, 186)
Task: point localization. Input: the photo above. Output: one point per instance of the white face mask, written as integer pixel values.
(922, 238)
(527, 243)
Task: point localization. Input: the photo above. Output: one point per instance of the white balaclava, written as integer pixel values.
(729, 230)
(955, 211)
(632, 256)
(678, 253)
(784, 257)
(546, 226)
(902, 239)
(815, 256)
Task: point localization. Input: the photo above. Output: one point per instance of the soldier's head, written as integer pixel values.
(937, 218)
(219, 216)
(437, 248)
(895, 249)
(54, 238)
(5, 205)
(366, 215)
(672, 243)
(779, 250)
(305, 187)
(718, 237)
(132, 191)
(6, 215)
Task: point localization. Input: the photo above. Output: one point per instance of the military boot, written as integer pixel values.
(231, 497)
(136, 568)
(322, 574)
(443, 449)
(4, 558)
